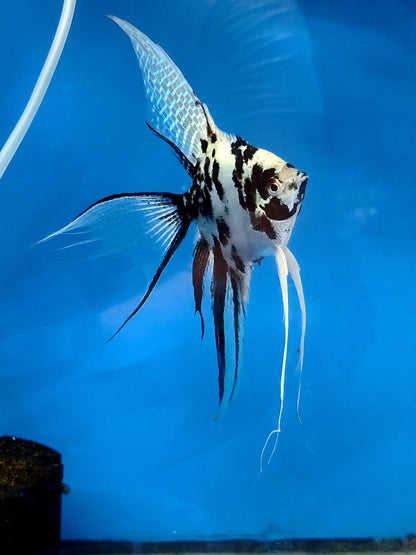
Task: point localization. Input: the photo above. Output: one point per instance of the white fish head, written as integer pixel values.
(277, 192)
(280, 186)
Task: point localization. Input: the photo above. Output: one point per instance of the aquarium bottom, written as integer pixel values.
(300, 547)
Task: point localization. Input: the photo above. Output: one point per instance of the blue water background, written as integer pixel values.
(134, 419)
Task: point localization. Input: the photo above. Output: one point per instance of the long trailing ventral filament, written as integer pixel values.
(286, 265)
(13, 142)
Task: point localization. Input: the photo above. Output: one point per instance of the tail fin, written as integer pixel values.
(121, 223)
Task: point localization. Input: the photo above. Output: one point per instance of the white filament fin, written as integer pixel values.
(294, 271)
(282, 269)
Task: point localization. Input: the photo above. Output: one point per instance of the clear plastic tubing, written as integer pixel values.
(13, 142)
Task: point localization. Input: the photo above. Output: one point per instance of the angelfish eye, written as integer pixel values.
(273, 187)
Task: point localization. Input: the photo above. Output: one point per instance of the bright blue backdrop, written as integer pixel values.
(134, 419)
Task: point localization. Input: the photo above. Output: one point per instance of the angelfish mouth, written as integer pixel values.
(302, 187)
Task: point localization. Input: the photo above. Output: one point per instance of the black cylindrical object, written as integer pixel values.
(30, 497)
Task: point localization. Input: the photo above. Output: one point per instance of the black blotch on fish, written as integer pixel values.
(238, 169)
(249, 152)
(243, 153)
(204, 145)
(261, 178)
(218, 185)
(207, 175)
(223, 231)
(250, 195)
(198, 198)
(262, 223)
(236, 151)
(275, 210)
(239, 142)
(204, 203)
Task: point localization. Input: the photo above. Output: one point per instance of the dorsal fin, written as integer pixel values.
(177, 114)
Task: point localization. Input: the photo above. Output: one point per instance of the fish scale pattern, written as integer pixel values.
(177, 113)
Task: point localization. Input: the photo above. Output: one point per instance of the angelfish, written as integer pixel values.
(244, 201)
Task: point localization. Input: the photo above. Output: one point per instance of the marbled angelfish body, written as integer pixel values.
(244, 201)
(246, 197)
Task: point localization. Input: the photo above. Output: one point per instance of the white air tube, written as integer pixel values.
(41, 86)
